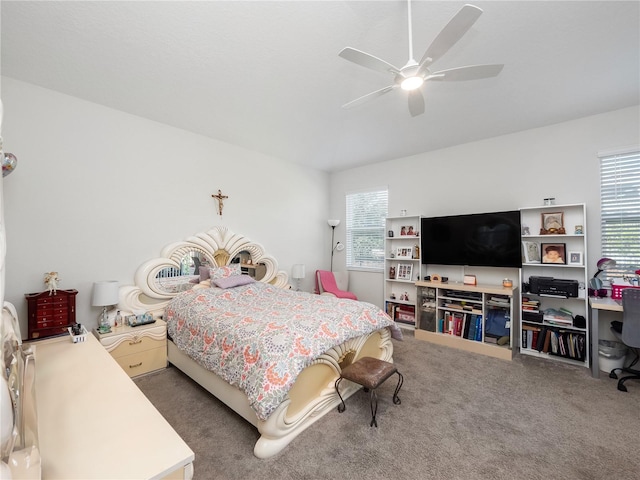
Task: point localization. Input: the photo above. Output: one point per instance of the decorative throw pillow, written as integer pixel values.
(226, 271)
(233, 281)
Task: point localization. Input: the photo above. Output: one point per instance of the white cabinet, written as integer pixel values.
(554, 320)
(402, 268)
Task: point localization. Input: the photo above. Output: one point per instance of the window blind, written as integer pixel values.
(620, 211)
(366, 214)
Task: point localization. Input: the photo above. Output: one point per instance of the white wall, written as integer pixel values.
(97, 192)
(502, 173)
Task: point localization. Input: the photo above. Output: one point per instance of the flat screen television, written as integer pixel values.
(481, 239)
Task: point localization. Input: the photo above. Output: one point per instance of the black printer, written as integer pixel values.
(553, 286)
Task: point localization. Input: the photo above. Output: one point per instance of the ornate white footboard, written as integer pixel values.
(312, 396)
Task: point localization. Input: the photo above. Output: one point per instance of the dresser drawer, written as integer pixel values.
(136, 344)
(49, 332)
(143, 362)
(52, 322)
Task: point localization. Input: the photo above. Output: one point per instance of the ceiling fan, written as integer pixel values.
(413, 75)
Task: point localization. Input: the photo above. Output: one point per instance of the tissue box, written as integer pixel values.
(616, 290)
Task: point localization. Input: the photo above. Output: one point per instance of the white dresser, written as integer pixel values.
(94, 422)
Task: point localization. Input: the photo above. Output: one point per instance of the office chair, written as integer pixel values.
(630, 334)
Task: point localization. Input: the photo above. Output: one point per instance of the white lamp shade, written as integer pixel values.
(297, 271)
(105, 293)
(333, 223)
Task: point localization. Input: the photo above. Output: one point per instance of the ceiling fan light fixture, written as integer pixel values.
(411, 83)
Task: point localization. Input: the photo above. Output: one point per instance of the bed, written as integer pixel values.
(309, 392)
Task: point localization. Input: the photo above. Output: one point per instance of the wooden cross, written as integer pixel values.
(220, 198)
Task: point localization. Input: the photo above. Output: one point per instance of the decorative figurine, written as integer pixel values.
(51, 280)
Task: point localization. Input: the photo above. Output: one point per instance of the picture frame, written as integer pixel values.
(531, 252)
(552, 223)
(574, 258)
(404, 252)
(404, 271)
(407, 231)
(554, 253)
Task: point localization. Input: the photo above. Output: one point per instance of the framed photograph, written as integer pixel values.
(575, 258)
(404, 271)
(530, 252)
(552, 223)
(404, 252)
(554, 253)
(407, 231)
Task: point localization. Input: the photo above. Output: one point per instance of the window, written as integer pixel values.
(366, 213)
(620, 211)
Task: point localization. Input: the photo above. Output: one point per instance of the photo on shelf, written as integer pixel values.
(575, 258)
(407, 230)
(530, 252)
(552, 223)
(554, 253)
(404, 252)
(404, 271)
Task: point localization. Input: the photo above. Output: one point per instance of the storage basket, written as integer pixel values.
(616, 291)
(78, 338)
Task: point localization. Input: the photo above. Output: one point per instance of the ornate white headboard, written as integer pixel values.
(216, 247)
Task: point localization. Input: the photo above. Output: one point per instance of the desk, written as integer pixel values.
(595, 305)
(94, 422)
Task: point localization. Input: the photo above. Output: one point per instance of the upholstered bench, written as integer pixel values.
(370, 373)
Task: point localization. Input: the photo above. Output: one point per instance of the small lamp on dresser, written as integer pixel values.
(105, 294)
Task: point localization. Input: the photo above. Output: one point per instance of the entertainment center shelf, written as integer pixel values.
(467, 317)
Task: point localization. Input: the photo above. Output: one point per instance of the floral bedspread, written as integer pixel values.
(259, 337)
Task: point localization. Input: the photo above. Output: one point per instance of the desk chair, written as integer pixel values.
(630, 334)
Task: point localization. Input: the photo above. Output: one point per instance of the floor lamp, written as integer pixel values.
(333, 224)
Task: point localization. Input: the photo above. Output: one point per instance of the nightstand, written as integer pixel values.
(138, 350)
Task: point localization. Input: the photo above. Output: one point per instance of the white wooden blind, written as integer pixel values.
(366, 213)
(620, 211)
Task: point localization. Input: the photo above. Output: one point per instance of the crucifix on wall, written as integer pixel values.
(220, 198)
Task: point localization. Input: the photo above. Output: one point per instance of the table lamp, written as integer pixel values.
(105, 294)
(297, 273)
(596, 288)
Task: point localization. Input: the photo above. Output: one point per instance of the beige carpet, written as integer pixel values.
(463, 416)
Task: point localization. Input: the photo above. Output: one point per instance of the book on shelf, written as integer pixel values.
(459, 318)
(547, 342)
(557, 317)
(479, 328)
(471, 332)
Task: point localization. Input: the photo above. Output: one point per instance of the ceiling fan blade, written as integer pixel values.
(416, 103)
(368, 96)
(470, 72)
(450, 34)
(366, 60)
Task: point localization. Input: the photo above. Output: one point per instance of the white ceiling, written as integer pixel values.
(266, 75)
